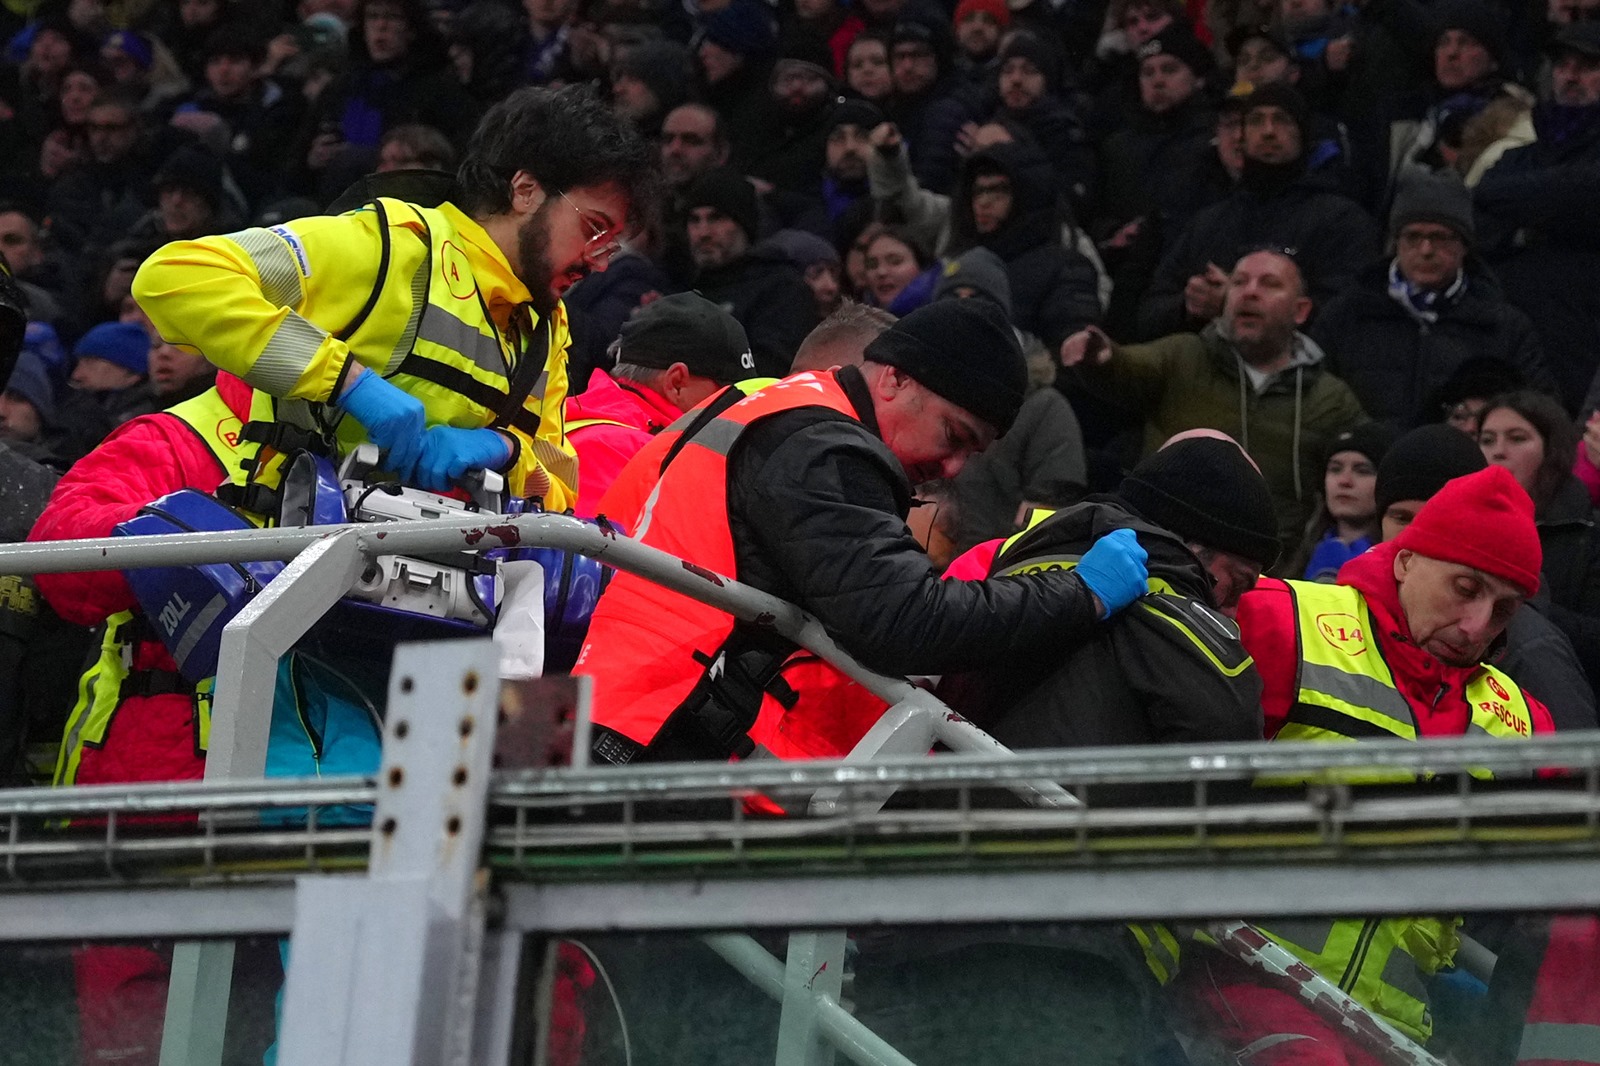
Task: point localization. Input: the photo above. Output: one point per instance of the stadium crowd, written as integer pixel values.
(1058, 247)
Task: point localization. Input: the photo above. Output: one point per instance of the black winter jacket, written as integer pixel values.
(1572, 570)
(1396, 363)
(817, 506)
(1331, 236)
(1150, 675)
(771, 300)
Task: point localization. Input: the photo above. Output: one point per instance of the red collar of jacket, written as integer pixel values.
(627, 402)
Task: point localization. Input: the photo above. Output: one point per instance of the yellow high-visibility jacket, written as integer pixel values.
(432, 309)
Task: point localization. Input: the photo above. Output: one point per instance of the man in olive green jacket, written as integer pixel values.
(1251, 374)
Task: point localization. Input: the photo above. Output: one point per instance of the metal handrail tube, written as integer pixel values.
(434, 536)
(1242, 761)
(167, 796)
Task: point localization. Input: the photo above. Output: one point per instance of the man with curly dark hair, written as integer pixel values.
(438, 330)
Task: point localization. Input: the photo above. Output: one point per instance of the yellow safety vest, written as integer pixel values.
(1347, 693)
(100, 687)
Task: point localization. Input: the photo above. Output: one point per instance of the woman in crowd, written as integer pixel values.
(901, 273)
(1531, 435)
(866, 67)
(1347, 522)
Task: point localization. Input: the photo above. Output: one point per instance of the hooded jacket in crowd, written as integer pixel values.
(1189, 381)
(1396, 358)
(1054, 290)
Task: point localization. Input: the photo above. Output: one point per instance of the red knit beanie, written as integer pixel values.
(1483, 520)
(996, 9)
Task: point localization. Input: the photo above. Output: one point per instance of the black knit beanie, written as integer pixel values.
(1418, 464)
(963, 350)
(1207, 491)
(731, 193)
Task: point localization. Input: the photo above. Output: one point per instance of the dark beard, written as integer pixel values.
(533, 259)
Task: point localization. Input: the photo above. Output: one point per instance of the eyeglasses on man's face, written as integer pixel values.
(602, 245)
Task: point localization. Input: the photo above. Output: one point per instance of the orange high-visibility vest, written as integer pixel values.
(656, 655)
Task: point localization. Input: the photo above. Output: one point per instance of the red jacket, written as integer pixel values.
(1434, 690)
(603, 450)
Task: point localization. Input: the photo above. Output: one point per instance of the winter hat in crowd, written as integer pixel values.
(194, 169)
(1483, 520)
(1370, 439)
(1243, 35)
(123, 343)
(1423, 461)
(1480, 21)
(1580, 37)
(687, 328)
(995, 9)
(807, 52)
(853, 112)
(744, 27)
(133, 45)
(1179, 42)
(729, 192)
(665, 68)
(1206, 490)
(803, 249)
(963, 350)
(1044, 58)
(980, 269)
(1424, 196)
(31, 381)
(1278, 94)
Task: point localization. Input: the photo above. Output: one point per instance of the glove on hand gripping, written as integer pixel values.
(1114, 570)
(394, 420)
(448, 453)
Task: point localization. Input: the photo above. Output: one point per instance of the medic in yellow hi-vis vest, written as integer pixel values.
(1393, 651)
(438, 330)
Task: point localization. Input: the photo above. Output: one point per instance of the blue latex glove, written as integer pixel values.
(1114, 570)
(394, 420)
(447, 453)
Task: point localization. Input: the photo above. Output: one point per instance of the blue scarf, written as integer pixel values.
(1423, 304)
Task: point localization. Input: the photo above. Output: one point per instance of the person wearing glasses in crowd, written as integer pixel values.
(1413, 319)
(454, 359)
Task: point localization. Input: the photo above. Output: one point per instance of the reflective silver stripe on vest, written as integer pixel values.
(1358, 690)
(1400, 971)
(419, 310)
(197, 629)
(1310, 934)
(280, 275)
(290, 350)
(718, 436)
(562, 467)
(446, 330)
(1561, 1042)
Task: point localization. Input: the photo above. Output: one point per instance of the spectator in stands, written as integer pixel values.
(1277, 203)
(866, 69)
(415, 146)
(1529, 434)
(549, 28)
(1346, 520)
(1262, 55)
(1251, 374)
(846, 150)
(829, 23)
(920, 64)
(99, 198)
(756, 284)
(901, 273)
(840, 339)
(693, 143)
(1029, 86)
(41, 278)
(734, 45)
(28, 409)
(1112, 80)
(191, 200)
(1536, 218)
(1429, 606)
(141, 66)
(188, 35)
(978, 26)
(818, 262)
(671, 355)
(1410, 321)
(1536, 653)
(790, 151)
(1154, 172)
(260, 118)
(489, 45)
(110, 363)
(398, 73)
(648, 80)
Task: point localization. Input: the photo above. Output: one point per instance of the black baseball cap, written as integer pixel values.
(687, 328)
